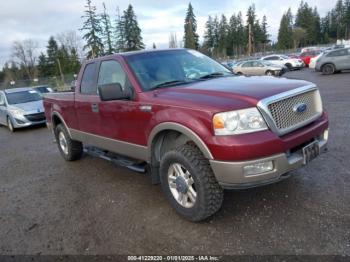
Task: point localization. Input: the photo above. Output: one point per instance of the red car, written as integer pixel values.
(197, 128)
(306, 56)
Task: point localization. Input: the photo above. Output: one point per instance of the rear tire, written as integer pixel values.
(189, 183)
(70, 149)
(269, 73)
(328, 69)
(289, 66)
(10, 125)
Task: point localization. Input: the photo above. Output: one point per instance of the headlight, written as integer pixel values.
(238, 122)
(16, 112)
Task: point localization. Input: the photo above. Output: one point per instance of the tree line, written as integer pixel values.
(239, 34)
(308, 28)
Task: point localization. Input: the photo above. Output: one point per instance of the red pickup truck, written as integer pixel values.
(198, 128)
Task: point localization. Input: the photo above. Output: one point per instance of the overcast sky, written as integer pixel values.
(39, 19)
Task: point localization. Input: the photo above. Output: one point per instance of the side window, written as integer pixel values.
(247, 64)
(88, 85)
(272, 58)
(111, 72)
(2, 100)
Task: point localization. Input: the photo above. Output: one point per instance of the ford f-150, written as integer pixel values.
(197, 127)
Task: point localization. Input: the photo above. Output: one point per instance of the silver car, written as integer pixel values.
(258, 68)
(21, 107)
(334, 61)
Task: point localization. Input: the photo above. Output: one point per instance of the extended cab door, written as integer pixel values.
(87, 101)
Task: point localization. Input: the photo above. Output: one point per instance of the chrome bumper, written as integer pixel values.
(231, 175)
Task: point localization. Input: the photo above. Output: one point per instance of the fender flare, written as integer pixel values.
(181, 129)
(55, 113)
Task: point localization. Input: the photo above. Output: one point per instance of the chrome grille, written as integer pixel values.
(280, 111)
(283, 111)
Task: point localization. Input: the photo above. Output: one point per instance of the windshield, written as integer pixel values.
(173, 67)
(285, 57)
(23, 97)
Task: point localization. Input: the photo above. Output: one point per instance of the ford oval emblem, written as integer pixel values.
(300, 108)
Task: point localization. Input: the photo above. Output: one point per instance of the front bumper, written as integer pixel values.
(231, 175)
(20, 121)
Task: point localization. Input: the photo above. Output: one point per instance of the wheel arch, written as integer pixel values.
(56, 119)
(328, 63)
(161, 131)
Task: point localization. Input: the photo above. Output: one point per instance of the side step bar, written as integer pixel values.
(132, 164)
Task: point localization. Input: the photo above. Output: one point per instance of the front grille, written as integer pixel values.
(283, 111)
(36, 117)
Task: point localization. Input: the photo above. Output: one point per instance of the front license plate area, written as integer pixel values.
(311, 151)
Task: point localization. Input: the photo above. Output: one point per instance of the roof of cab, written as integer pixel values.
(15, 90)
(129, 53)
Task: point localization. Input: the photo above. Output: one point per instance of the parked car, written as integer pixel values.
(21, 107)
(283, 60)
(197, 127)
(43, 89)
(334, 61)
(313, 60)
(259, 68)
(306, 56)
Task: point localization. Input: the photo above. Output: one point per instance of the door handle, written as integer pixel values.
(94, 107)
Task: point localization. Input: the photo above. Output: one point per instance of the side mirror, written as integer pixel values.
(111, 92)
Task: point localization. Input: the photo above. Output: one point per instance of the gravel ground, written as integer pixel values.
(49, 206)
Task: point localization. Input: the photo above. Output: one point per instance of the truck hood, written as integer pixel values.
(227, 92)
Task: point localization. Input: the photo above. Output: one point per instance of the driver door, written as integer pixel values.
(2, 109)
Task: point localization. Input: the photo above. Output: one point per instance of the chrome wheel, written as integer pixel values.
(269, 73)
(182, 185)
(63, 143)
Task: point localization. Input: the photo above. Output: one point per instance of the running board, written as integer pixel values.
(132, 164)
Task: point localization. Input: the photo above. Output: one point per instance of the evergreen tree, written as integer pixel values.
(285, 40)
(51, 59)
(223, 36)
(93, 31)
(129, 31)
(43, 65)
(191, 37)
(264, 34)
(209, 36)
(106, 33)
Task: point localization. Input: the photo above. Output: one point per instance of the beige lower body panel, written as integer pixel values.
(120, 147)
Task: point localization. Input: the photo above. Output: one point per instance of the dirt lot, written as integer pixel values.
(49, 206)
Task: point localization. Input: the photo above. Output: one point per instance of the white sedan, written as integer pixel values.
(283, 60)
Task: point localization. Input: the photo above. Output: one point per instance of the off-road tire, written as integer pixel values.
(209, 192)
(74, 148)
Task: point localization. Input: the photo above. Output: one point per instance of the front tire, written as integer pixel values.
(328, 69)
(10, 125)
(70, 149)
(189, 183)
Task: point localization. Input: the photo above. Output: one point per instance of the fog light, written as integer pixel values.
(258, 168)
(325, 135)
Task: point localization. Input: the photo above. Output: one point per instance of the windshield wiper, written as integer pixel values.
(212, 75)
(169, 83)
